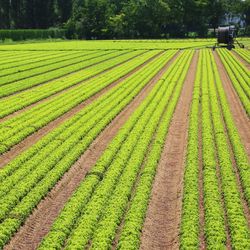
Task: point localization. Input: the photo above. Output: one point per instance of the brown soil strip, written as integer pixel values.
(32, 139)
(241, 59)
(161, 227)
(240, 117)
(40, 221)
(71, 87)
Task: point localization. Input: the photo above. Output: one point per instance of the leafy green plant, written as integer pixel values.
(11, 85)
(16, 129)
(239, 77)
(244, 54)
(16, 102)
(110, 167)
(57, 151)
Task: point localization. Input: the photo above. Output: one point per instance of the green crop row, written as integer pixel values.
(16, 102)
(237, 222)
(41, 166)
(26, 83)
(8, 170)
(31, 120)
(88, 61)
(134, 218)
(215, 229)
(245, 54)
(220, 188)
(239, 77)
(20, 78)
(109, 182)
(234, 61)
(189, 229)
(112, 44)
(9, 54)
(17, 73)
(19, 58)
(239, 151)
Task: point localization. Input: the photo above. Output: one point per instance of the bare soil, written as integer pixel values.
(32, 139)
(40, 221)
(161, 227)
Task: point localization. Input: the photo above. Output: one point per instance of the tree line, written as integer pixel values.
(103, 19)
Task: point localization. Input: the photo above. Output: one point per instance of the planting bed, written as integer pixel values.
(124, 145)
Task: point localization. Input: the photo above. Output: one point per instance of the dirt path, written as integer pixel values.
(161, 227)
(67, 88)
(240, 117)
(32, 139)
(39, 223)
(241, 59)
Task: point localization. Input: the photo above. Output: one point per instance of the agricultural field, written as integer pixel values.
(127, 144)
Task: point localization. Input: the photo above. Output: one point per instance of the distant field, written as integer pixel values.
(127, 144)
(112, 44)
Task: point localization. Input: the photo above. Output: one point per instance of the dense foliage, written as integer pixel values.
(28, 34)
(95, 19)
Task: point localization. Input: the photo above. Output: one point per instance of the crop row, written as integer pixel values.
(16, 73)
(21, 60)
(15, 78)
(9, 57)
(237, 222)
(189, 230)
(215, 229)
(103, 195)
(10, 168)
(245, 54)
(239, 76)
(134, 218)
(119, 44)
(11, 53)
(221, 191)
(238, 149)
(214, 215)
(23, 84)
(18, 101)
(19, 127)
(39, 168)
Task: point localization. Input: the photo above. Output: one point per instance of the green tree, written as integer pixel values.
(4, 14)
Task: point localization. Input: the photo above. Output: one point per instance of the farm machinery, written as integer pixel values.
(226, 37)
